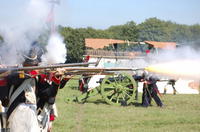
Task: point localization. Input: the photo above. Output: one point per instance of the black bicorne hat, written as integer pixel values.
(31, 59)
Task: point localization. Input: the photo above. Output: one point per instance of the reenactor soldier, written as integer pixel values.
(146, 98)
(171, 82)
(48, 86)
(29, 96)
(21, 111)
(3, 100)
(137, 78)
(153, 89)
(146, 95)
(150, 89)
(3, 87)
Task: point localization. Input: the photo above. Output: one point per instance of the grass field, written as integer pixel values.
(181, 113)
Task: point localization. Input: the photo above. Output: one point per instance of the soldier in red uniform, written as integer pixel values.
(3, 88)
(48, 86)
(3, 99)
(31, 97)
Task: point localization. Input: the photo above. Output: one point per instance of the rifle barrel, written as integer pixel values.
(85, 73)
(97, 69)
(45, 67)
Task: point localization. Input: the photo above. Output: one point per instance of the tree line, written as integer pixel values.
(152, 29)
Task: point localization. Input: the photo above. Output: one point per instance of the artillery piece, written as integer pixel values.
(115, 86)
(115, 89)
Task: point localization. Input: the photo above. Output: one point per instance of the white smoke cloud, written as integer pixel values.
(182, 62)
(181, 53)
(173, 59)
(38, 9)
(56, 51)
(15, 44)
(187, 69)
(19, 36)
(28, 27)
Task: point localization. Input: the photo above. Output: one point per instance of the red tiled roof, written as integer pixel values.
(97, 43)
(163, 45)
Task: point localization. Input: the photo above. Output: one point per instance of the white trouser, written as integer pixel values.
(24, 119)
(44, 117)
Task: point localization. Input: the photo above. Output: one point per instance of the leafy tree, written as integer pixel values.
(116, 31)
(181, 33)
(155, 30)
(75, 45)
(195, 30)
(93, 33)
(1, 40)
(128, 31)
(75, 41)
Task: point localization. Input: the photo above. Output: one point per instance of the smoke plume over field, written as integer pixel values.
(27, 28)
(183, 62)
(55, 44)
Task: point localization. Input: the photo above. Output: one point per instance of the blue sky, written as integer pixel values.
(101, 14)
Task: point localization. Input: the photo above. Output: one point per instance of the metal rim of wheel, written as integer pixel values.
(118, 89)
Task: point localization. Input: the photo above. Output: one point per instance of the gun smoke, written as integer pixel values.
(183, 62)
(56, 51)
(17, 38)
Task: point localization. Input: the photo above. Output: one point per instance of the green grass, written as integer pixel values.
(181, 113)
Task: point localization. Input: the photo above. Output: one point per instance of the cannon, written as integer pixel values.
(113, 82)
(115, 89)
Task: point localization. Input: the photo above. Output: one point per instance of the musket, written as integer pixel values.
(118, 57)
(67, 67)
(99, 69)
(54, 66)
(69, 70)
(86, 74)
(90, 71)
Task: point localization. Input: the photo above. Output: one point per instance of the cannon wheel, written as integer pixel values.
(118, 89)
